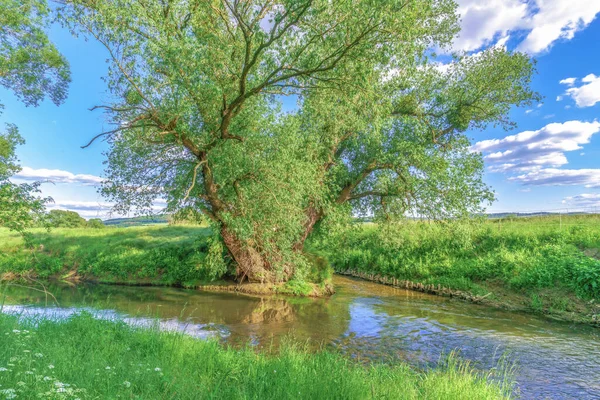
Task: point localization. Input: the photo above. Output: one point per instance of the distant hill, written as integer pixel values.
(137, 221)
(531, 214)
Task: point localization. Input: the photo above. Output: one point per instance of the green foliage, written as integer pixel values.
(64, 219)
(90, 359)
(197, 91)
(30, 65)
(95, 223)
(524, 254)
(20, 204)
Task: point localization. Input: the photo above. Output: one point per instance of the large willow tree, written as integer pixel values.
(196, 87)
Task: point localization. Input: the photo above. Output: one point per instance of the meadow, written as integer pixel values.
(547, 264)
(86, 358)
(157, 254)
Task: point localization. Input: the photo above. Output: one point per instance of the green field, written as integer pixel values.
(160, 254)
(87, 358)
(544, 264)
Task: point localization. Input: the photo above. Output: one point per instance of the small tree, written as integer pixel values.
(379, 129)
(64, 219)
(95, 223)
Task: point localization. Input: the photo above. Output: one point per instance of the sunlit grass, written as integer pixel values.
(88, 358)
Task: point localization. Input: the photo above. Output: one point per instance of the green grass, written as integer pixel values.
(523, 255)
(155, 254)
(87, 358)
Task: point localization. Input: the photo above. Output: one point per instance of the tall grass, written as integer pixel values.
(519, 254)
(156, 254)
(87, 358)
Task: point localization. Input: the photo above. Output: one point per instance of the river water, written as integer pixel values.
(363, 320)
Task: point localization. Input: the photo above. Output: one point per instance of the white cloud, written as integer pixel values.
(590, 178)
(559, 98)
(484, 20)
(530, 150)
(583, 200)
(542, 22)
(588, 94)
(97, 209)
(57, 176)
(540, 105)
(568, 81)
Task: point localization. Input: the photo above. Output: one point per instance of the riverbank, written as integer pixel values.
(159, 255)
(536, 265)
(542, 265)
(88, 358)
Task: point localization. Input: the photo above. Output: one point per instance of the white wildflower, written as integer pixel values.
(39, 355)
(127, 384)
(157, 369)
(107, 368)
(51, 366)
(2, 369)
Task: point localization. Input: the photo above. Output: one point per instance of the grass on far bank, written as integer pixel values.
(549, 264)
(157, 254)
(87, 358)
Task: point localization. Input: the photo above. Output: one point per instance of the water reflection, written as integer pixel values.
(365, 321)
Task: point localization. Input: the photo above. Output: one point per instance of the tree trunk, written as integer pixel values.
(250, 263)
(313, 215)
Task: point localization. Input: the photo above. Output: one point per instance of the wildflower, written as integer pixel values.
(51, 366)
(39, 355)
(28, 373)
(13, 359)
(47, 378)
(2, 369)
(59, 384)
(61, 390)
(107, 368)
(157, 369)
(127, 384)
(16, 331)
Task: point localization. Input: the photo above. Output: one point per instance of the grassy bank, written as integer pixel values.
(87, 358)
(546, 264)
(154, 255)
(141, 255)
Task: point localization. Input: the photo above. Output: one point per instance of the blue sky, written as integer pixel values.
(551, 161)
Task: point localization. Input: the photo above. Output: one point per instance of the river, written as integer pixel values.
(363, 320)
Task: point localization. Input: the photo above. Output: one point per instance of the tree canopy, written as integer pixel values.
(380, 127)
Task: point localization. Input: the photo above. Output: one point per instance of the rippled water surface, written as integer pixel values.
(365, 321)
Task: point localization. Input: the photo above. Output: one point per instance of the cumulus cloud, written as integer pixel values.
(484, 20)
(541, 22)
(590, 178)
(531, 150)
(584, 200)
(588, 94)
(567, 81)
(57, 176)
